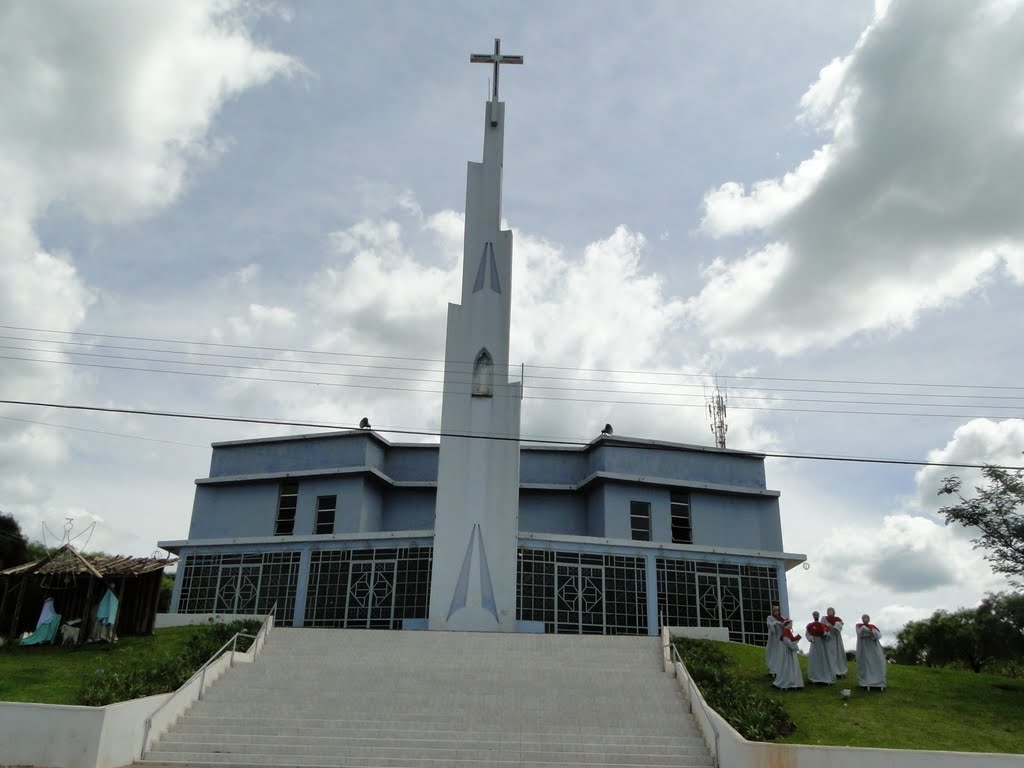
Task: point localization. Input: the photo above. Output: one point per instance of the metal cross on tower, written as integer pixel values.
(497, 59)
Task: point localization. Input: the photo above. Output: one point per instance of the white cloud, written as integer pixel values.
(980, 441)
(385, 291)
(912, 202)
(106, 106)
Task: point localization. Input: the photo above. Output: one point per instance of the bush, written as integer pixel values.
(135, 678)
(756, 716)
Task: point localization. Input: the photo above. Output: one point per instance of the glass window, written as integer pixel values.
(682, 530)
(287, 502)
(640, 520)
(325, 506)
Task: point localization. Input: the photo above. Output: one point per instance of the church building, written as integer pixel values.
(482, 532)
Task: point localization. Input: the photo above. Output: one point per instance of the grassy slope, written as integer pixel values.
(923, 708)
(53, 675)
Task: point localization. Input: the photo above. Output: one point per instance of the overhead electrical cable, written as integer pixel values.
(701, 404)
(572, 442)
(704, 376)
(102, 432)
(531, 386)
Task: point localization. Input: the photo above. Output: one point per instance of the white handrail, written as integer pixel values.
(258, 641)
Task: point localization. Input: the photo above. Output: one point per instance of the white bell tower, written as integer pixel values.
(476, 526)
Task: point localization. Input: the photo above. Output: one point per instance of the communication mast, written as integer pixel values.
(716, 413)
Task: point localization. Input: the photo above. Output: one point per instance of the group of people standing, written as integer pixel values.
(826, 659)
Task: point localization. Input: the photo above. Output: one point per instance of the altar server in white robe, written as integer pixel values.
(773, 648)
(870, 656)
(837, 648)
(819, 658)
(789, 676)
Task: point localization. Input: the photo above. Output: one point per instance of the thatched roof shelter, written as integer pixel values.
(76, 583)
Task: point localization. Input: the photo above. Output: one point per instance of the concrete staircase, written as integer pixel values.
(320, 697)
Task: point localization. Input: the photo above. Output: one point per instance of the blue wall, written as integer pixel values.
(230, 511)
(736, 521)
(553, 512)
(409, 509)
(601, 508)
(290, 455)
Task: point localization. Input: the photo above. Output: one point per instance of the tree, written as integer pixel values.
(13, 544)
(997, 512)
(983, 637)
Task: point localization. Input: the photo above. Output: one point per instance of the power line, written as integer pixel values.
(275, 380)
(101, 432)
(574, 442)
(531, 387)
(707, 376)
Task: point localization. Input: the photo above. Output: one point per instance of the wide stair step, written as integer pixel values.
(335, 698)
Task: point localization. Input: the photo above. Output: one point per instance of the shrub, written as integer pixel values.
(134, 678)
(756, 716)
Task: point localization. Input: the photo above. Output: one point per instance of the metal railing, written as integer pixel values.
(258, 640)
(692, 692)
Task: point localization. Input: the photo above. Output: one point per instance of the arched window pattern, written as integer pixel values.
(483, 375)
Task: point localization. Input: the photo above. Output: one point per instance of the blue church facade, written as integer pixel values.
(616, 537)
(482, 532)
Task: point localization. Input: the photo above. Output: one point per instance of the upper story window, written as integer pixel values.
(287, 503)
(325, 507)
(682, 528)
(640, 520)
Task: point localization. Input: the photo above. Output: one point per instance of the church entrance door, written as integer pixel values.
(371, 594)
(238, 588)
(720, 603)
(579, 599)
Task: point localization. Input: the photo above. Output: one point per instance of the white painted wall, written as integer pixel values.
(164, 620)
(476, 528)
(54, 736)
(701, 633)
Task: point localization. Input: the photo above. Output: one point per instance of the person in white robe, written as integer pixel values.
(789, 676)
(835, 624)
(819, 657)
(105, 620)
(773, 648)
(870, 656)
(46, 615)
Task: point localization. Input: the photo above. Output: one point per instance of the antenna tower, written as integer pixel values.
(717, 403)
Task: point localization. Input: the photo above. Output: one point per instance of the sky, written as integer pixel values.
(254, 209)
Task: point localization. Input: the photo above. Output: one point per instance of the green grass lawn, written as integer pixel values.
(49, 674)
(922, 708)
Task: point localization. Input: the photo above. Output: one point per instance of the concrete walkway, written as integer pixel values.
(322, 697)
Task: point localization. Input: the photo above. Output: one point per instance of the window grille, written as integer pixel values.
(710, 594)
(250, 582)
(579, 593)
(368, 588)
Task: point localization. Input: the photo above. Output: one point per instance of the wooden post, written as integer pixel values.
(154, 605)
(17, 609)
(83, 633)
(7, 591)
(120, 607)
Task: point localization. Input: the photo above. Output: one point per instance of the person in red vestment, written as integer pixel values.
(870, 656)
(838, 649)
(789, 676)
(819, 658)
